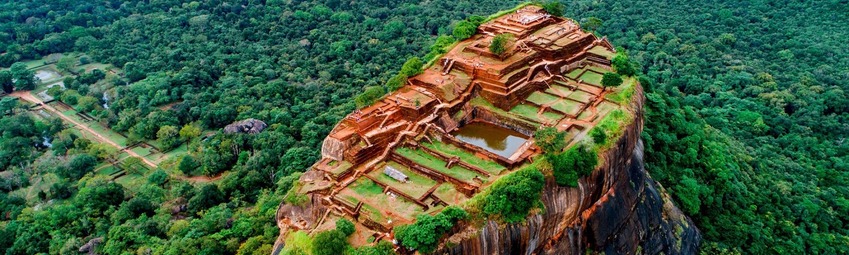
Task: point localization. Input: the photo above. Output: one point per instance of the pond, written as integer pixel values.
(495, 139)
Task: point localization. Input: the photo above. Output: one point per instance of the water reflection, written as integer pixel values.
(495, 139)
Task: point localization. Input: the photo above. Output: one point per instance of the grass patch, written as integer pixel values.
(366, 187)
(298, 242)
(417, 186)
(567, 106)
(592, 78)
(422, 158)
(575, 73)
(612, 126)
(580, 96)
(601, 51)
(527, 111)
(466, 156)
(541, 98)
(110, 170)
(481, 102)
(624, 92)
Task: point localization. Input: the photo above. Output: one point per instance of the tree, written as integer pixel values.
(168, 137)
(593, 23)
(158, 177)
(66, 64)
(188, 165)
(24, 78)
(412, 67)
(208, 196)
(79, 166)
(332, 242)
(189, 131)
(611, 80)
(553, 8)
(499, 44)
(346, 226)
(87, 103)
(550, 140)
(6, 81)
(8, 105)
(623, 65)
(464, 29)
(424, 234)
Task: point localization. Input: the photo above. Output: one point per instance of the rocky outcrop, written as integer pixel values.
(248, 126)
(619, 209)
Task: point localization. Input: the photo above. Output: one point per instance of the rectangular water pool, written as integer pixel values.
(495, 139)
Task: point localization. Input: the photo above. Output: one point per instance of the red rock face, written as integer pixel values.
(619, 209)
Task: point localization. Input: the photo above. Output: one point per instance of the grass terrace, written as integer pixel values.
(580, 96)
(575, 73)
(592, 78)
(568, 106)
(530, 112)
(602, 51)
(541, 98)
(417, 186)
(423, 158)
(466, 156)
(448, 193)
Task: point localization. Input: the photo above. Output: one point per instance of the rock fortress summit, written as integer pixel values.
(467, 121)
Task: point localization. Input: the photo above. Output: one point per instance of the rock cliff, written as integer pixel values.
(619, 209)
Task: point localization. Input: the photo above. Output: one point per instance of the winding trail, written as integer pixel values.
(26, 96)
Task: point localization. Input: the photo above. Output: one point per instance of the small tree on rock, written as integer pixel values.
(611, 80)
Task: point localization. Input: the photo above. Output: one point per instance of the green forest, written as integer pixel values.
(745, 127)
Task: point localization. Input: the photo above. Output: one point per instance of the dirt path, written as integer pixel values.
(25, 95)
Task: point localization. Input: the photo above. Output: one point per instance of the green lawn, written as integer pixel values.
(530, 112)
(141, 150)
(366, 187)
(541, 98)
(558, 90)
(466, 156)
(581, 96)
(567, 106)
(624, 92)
(422, 158)
(417, 186)
(574, 73)
(591, 78)
(108, 170)
(602, 51)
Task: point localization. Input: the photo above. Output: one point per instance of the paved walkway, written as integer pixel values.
(26, 96)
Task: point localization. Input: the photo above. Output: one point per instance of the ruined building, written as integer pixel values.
(468, 120)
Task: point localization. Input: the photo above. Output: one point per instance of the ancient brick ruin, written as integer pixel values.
(549, 76)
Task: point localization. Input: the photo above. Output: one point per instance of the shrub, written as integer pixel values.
(396, 82)
(499, 44)
(464, 30)
(412, 67)
(598, 135)
(550, 140)
(332, 242)
(346, 226)
(369, 96)
(570, 165)
(513, 196)
(424, 235)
